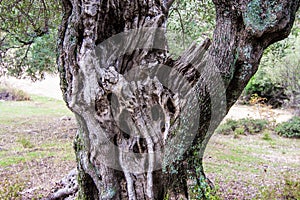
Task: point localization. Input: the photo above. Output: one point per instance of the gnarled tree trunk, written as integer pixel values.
(145, 119)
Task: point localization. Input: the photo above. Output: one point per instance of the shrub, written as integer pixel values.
(242, 126)
(289, 129)
(12, 94)
(228, 127)
(269, 92)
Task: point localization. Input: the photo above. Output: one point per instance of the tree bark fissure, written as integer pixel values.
(145, 119)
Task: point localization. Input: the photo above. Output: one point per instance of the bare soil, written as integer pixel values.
(48, 164)
(250, 167)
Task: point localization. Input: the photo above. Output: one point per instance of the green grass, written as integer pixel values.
(24, 126)
(18, 112)
(11, 160)
(253, 161)
(25, 142)
(21, 157)
(11, 189)
(34, 140)
(290, 189)
(19, 154)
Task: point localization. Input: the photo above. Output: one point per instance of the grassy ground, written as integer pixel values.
(254, 166)
(36, 151)
(35, 146)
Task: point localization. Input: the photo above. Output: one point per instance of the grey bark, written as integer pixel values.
(66, 188)
(132, 109)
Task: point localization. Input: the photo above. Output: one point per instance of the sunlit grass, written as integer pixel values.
(17, 112)
(28, 131)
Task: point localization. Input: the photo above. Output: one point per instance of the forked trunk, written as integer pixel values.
(145, 119)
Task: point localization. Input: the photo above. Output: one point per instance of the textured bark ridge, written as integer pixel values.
(144, 118)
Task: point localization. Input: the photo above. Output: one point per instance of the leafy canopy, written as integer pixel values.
(28, 37)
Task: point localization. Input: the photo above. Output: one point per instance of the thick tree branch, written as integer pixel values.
(169, 3)
(235, 54)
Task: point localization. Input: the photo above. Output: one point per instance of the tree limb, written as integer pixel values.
(67, 186)
(169, 4)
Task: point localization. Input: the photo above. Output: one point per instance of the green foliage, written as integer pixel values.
(263, 85)
(28, 37)
(289, 129)
(266, 136)
(228, 127)
(166, 197)
(296, 27)
(191, 21)
(288, 74)
(260, 84)
(242, 127)
(28, 32)
(202, 190)
(35, 60)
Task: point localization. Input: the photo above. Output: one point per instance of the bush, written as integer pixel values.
(9, 93)
(262, 86)
(289, 129)
(228, 127)
(242, 126)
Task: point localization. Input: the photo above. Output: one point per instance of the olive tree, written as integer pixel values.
(145, 118)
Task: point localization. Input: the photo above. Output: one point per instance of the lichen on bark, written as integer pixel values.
(261, 15)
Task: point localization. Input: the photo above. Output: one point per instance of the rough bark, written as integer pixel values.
(66, 188)
(145, 119)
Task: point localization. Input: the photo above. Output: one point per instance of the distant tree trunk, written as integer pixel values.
(145, 119)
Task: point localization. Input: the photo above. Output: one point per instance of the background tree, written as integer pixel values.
(143, 127)
(28, 32)
(191, 21)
